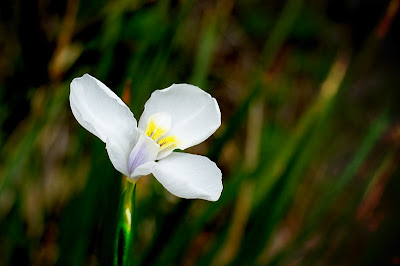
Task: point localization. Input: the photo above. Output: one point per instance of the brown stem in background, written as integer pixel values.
(387, 20)
(64, 54)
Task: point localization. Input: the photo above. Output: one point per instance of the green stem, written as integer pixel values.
(124, 232)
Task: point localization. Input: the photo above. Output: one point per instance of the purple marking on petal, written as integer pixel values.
(144, 151)
(137, 158)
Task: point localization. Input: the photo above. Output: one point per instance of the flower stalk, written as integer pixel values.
(124, 233)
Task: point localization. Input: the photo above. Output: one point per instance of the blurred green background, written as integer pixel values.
(309, 143)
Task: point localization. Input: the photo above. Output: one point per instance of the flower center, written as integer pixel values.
(158, 125)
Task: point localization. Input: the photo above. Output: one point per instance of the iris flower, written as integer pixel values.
(177, 117)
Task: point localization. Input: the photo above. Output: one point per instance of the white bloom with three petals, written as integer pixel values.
(177, 117)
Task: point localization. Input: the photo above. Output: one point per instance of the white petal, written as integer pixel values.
(189, 176)
(145, 150)
(99, 109)
(142, 170)
(165, 152)
(104, 114)
(118, 156)
(195, 115)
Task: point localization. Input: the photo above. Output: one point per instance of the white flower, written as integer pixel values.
(177, 117)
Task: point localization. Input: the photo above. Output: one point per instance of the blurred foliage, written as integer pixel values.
(309, 142)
